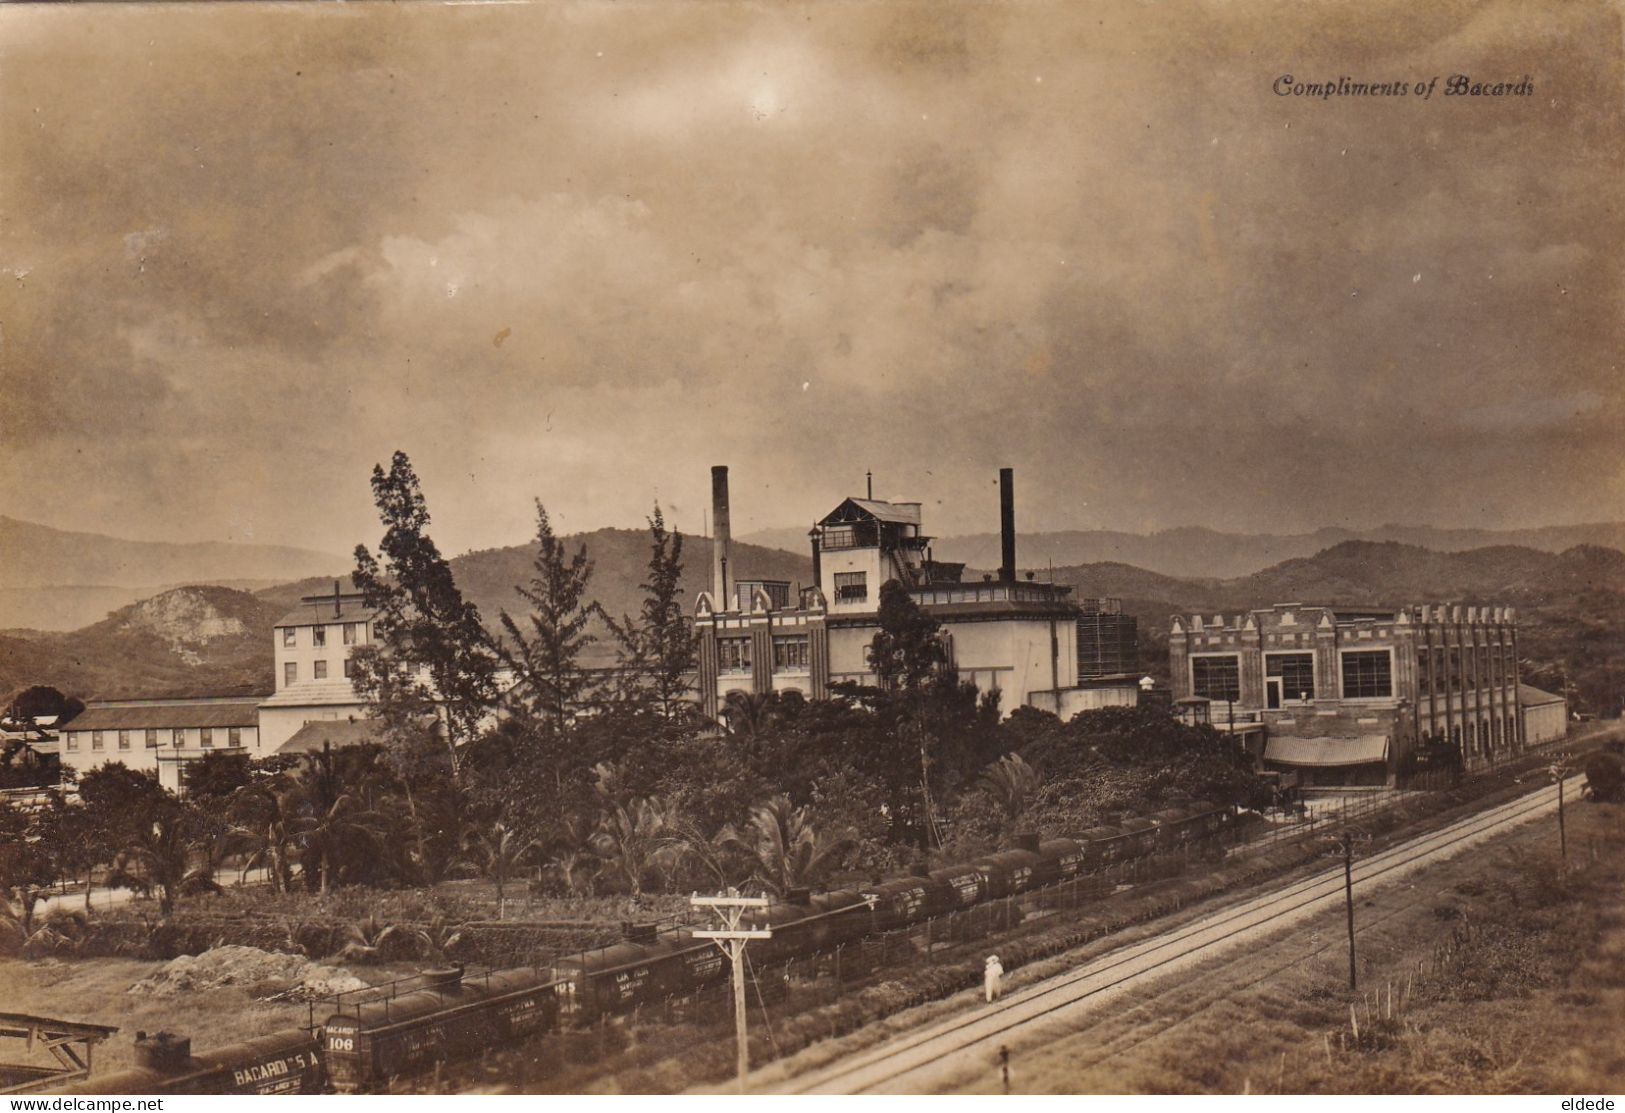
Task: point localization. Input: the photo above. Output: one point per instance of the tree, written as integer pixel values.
(263, 815)
(784, 848)
(334, 825)
(547, 661)
(24, 867)
(552, 685)
(657, 648)
(211, 781)
(1012, 784)
(161, 854)
(631, 839)
(43, 701)
(498, 852)
(431, 657)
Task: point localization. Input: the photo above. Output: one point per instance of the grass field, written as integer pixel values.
(1521, 989)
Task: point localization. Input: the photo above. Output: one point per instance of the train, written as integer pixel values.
(448, 1015)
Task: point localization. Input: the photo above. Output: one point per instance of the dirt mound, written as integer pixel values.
(265, 974)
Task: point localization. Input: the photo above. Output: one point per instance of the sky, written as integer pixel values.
(580, 252)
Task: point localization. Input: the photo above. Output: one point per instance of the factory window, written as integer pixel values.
(851, 587)
(733, 654)
(349, 633)
(95, 739)
(318, 671)
(1216, 678)
(180, 737)
(318, 636)
(790, 653)
(1455, 668)
(152, 738)
(73, 741)
(234, 736)
(290, 672)
(205, 737)
(1484, 666)
(290, 637)
(1368, 675)
(1297, 673)
(1424, 682)
(346, 667)
(839, 537)
(124, 740)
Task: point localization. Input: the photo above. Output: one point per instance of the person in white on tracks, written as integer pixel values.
(992, 976)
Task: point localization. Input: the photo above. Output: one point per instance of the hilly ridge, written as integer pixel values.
(212, 639)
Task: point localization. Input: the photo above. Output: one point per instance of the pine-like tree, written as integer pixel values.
(657, 648)
(430, 658)
(553, 686)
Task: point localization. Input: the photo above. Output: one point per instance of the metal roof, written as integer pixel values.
(321, 612)
(1531, 696)
(904, 514)
(340, 732)
(1289, 749)
(141, 716)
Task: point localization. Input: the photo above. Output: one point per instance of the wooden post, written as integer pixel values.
(731, 938)
(1348, 895)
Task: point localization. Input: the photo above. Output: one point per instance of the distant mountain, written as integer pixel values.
(188, 641)
(210, 639)
(1199, 553)
(60, 580)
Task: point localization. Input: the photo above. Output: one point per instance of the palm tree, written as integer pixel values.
(748, 715)
(333, 819)
(264, 820)
(571, 849)
(497, 852)
(631, 837)
(1012, 783)
(161, 855)
(786, 850)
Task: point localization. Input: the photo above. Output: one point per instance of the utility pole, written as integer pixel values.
(1561, 769)
(731, 938)
(1348, 898)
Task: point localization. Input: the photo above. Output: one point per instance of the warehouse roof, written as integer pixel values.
(145, 714)
(340, 732)
(1531, 696)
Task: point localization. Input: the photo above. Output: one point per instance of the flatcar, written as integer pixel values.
(288, 1062)
(452, 1017)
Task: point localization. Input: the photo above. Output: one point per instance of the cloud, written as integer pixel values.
(276, 244)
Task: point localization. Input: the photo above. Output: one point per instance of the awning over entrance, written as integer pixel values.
(1289, 749)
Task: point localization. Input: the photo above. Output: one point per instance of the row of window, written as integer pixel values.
(318, 670)
(1446, 672)
(176, 737)
(1483, 736)
(851, 587)
(790, 654)
(349, 631)
(1366, 675)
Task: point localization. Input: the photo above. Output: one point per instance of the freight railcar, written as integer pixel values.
(288, 1062)
(450, 1018)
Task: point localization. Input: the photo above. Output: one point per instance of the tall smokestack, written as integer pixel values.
(1007, 524)
(720, 537)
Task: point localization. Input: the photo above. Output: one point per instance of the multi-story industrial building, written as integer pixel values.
(1108, 640)
(312, 645)
(1007, 634)
(1343, 695)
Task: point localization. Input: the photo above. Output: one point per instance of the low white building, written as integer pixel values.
(161, 735)
(1545, 716)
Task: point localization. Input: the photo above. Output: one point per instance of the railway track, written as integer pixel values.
(907, 1064)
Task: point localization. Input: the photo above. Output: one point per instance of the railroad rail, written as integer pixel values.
(899, 1065)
